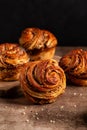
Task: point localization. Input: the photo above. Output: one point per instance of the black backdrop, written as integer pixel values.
(67, 19)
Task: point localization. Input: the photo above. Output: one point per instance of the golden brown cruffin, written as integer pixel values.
(42, 81)
(12, 58)
(74, 64)
(40, 44)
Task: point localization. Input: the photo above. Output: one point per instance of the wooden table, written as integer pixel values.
(69, 112)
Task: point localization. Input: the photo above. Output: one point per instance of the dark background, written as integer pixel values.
(67, 19)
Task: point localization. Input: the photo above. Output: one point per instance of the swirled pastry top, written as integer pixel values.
(35, 38)
(12, 54)
(43, 79)
(75, 63)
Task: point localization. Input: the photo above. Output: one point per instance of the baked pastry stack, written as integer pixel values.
(40, 44)
(12, 58)
(42, 81)
(74, 64)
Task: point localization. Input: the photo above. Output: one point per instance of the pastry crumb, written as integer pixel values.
(75, 105)
(36, 113)
(37, 118)
(23, 112)
(62, 107)
(75, 94)
(27, 120)
(42, 109)
(80, 94)
(52, 121)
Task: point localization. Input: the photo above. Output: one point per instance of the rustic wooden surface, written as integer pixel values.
(69, 112)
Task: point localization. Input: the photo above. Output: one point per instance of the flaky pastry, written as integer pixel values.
(12, 58)
(75, 66)
(40, 44)
(42, 81)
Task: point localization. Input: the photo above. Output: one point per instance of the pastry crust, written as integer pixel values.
(38, 40)
(42, 55)
(42, 81)
(12, 58)
(75, 66)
